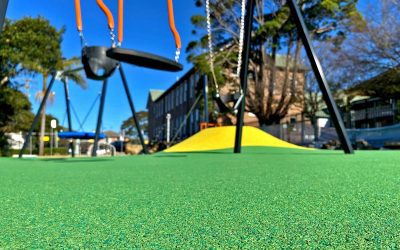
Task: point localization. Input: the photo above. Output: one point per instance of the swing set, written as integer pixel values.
(100, 63)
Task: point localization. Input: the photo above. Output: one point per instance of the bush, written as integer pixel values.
(4, 146)
(47, 151)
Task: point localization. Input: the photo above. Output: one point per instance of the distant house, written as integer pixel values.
(111, 136)
(374, 112)
(377, 101)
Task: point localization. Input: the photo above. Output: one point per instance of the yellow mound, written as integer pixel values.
(224, 137)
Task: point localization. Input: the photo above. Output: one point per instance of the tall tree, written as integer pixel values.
(274, 33)
(31, 45)
(373, 48)
(71, 71)
(130, 127)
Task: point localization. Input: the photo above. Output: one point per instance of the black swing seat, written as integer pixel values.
(143, 59)
(97, 65)
(222, 102)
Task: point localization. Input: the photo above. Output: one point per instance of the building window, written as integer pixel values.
(168, 103)
(181, 94)
(196, 77)
(191, 86)
(185, 92)
(178, 98)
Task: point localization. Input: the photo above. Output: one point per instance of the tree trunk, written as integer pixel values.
(272, 80)
(294, 94)
(43, 119)
(314, 122)
(282, 101)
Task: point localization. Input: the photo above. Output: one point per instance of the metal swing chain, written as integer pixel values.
(177, 54)
(241, 38)
(82, 39)
(241, 44)
(240, 59)
(112, 37)
(210, 46)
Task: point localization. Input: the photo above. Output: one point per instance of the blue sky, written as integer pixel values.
(146, 29)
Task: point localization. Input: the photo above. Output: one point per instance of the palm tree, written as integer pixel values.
(70, 70)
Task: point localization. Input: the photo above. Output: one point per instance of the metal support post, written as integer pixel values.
(100, 118)
(243, 74)
(68, 105)
(3, 11)
(320, 76)
(131, 105)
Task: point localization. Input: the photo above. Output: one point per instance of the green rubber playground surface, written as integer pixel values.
(262, 198)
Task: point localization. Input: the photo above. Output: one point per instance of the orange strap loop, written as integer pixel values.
(120, 21)
(78, 13)
(108, 13)
(175, 32)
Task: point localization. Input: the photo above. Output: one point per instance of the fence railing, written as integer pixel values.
(308, 135)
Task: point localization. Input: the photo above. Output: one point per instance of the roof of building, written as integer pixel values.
(182, 79)
(111, 134)
(155, 94)
(384, 85)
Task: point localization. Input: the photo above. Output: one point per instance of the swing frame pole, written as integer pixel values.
(132, 107)
(3, 11)
(321, 79)
(100, 118)
(243, 74)
(67, 103)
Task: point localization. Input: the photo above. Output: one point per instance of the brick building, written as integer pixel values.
(180, 97)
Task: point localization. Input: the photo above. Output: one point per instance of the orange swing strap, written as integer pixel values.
(120, 21)
(174, 31)
(110, 19)
(78, 13)
(108, 14)
(111, 23)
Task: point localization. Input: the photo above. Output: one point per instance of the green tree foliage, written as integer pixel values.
(30, 45)
(374, 49)
(15, 114)
(274, 33)
(129, 124)
(69, 72)
(42, 58)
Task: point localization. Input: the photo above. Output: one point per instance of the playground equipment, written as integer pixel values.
(71, 134)
(315, 64)
(223, 137)
(101, 62)
(139, 58)
(79, 135)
